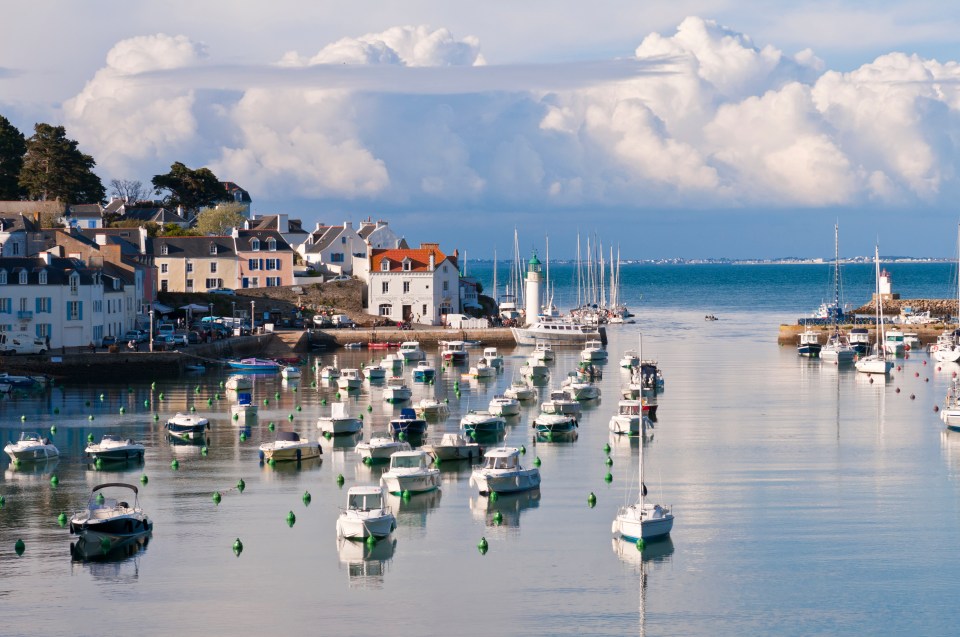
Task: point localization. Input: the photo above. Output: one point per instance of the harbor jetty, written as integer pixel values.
(927, 333)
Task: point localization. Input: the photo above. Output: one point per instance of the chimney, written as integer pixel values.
(433, 261)
(283, 223)
(180, 210)
(46, 257)
(143, 240)
(347, 225)
(319, 225)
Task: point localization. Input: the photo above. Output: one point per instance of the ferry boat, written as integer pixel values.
(558, 331)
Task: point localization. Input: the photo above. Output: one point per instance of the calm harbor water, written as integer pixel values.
(808, 500)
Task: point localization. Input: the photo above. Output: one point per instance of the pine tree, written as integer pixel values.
(13, 145)
(192, 189)
(54, 168)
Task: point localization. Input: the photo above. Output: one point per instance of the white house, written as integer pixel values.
(333, 248)
(61, 299)
(421, 285)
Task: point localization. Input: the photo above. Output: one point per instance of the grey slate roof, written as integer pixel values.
(58, 271)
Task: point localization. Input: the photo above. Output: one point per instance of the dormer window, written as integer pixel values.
(43, 277)
(164, 250)
(407, 265)
(3, 277)
(213, 248)
(74, 283)
(272, 244)
(23, 277)
(255, 244)
(116, 284)
(385, 265)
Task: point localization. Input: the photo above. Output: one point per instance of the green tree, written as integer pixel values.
(216, 221)
(13, 145)
(192, 189)
(173, 230)
(54, 168)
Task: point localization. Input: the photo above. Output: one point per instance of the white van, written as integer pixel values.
(21, 344)
(341, 320)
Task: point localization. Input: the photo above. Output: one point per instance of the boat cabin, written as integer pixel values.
(502, 459)
(408, 460)
(630, 407)
(365, 498)
(350, 374)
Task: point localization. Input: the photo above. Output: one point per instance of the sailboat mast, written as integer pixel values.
(836, 277)
(881, 338)
(495, 276)
(579, 273)
(549, 296)
(642, 428)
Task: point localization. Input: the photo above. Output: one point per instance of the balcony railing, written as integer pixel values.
(24, 315)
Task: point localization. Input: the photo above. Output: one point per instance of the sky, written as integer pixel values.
(690, 128)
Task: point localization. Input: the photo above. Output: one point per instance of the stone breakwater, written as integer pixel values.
(938, 308)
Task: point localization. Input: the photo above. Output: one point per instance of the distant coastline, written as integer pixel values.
(780, 261)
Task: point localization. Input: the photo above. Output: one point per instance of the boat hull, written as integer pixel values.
(424, 376)
(872, 365)
(530, 336)
(449, 453)
(838, 355)
(288, 454)
(355, 525)
(628, 425)
(340, 426)
(809, 350)
(349, 383)
(506, 482)
(504, 409)
(379, 453)
(392, 395)
(649, 526)
(410, 427)
(420, 483)
(116, 455)
(34, 453)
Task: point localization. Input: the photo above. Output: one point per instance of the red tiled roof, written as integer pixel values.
(419, 259)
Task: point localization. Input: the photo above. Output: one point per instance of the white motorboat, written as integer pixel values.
(809, 343)
(290, 372)
(521, 390)
(860, 340)
(580, 390)
(113, 448)
(630, 359)
(453, 351)
(482, 369)
(110, 522)
(557, 331)
(410, 471)
(290, 446)
(188, 426)
(630, 419)
(542, 352)
(950, 413)
(493, 357)
(374, 372)
(244, 412)
(555, 423)
(424, 372)
(478, 424)
(366, 515)
(454, 447)
(396, 391)
(893, 342)
(532, 368)
(238, 382)
(501, 405)
(408, 424)
(560, 402)
(593, 351)
(393, 363)
(329, 372)
(31, 447)
(410, 351)
(502, 473)
(431, 409)
(642, 520)
(339, 422)
(350, 379)
(912, 342)
(947, 348)
(876, 363)
(380, 448)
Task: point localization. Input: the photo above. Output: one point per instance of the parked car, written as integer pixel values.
(139, 336)
(341, 320)
(107, 341)
(180, 338)
(20, 344)
(167, 329)
(339, 277)
(226, 291)
(320, 320)
(193, 338)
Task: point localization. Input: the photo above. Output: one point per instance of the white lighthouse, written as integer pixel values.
(534, 271)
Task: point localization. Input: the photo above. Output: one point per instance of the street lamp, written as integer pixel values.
(151, 326)
(233, 314)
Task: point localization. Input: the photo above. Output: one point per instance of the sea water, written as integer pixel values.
(808, 500)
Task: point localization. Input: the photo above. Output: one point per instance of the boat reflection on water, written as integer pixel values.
(509, 506)
(290, 383)
(369, 474)
(95, 475)
(452, 471)
(413, 511)
(950, 446)
(107, 564)
(653, 555)
(366, 565)
(344, 442)
(186, 447)
(561, 436)
(31, 471)
(415, 440)
(286, 470)
(627, 445)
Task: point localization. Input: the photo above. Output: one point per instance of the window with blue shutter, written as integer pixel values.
(80, 309)
(38, 311)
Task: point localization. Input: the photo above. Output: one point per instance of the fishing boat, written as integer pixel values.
(430, 409)
(339, 422)
(410, 472)
(860, 340)
(380, 448)
(838, 348)
(809, 345)
(947, 348)
(893, 342)
(329, 372)
(493, 357)
(454, 351)
(521, 390)
(876, 363)
(408, 423)
(630, 419)
(578, 389)
(350, 378)
(542, 351)
(396, 391)
(254, 365)
(912, 342)
(31, 447)
(482, 369)
(289, 446)
(643, 520)
(113, 448)
(502, 473)
(534, 369)
(410, 351)
(555, 423)
(187, 426)
(110, 522)
(454, 447)
(950, 413)
(560, 402)
(593, 351)
(478, 424)
(374, 372)
(19, 382)
(290, 372)
(238, 382)
(501, 405)
(424, 372)
(366, 515)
